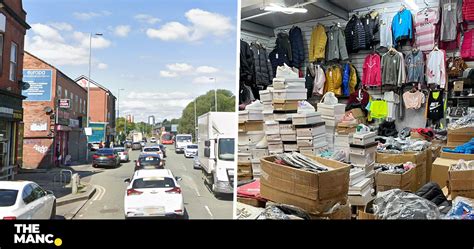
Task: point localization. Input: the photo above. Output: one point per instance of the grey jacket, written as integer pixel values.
(336, 46)
(415, 67)
(390, 68)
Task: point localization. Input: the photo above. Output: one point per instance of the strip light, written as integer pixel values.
(287, 10)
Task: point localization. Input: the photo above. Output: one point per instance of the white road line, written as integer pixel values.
(103, 193)
(98, 191)
(197, 191)
(209, 211)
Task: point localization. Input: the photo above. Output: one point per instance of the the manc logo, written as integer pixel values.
(30, 234)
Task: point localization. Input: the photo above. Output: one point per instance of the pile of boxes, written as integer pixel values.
(331, 115)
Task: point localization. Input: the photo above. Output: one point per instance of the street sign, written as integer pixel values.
(64, 103)
(88, 131)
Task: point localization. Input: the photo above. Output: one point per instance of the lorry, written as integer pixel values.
(216, 150)
(98, 135)
(137, 137)
(181, 141)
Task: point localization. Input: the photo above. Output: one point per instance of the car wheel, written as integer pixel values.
(94, 166)
(53, 211)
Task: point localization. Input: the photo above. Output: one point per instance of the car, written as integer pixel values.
(127, 144)
(123, 154)
(95, 146)
(190, 150)
(153, 140)
(196, 162)
(163, 149)
(143, 143)
(106, 157)
(153, 193)
(21, 200)
(149, 161)
(136, 146)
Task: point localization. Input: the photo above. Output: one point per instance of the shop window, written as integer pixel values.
(13, 62)
(1, 54)
(60, 92)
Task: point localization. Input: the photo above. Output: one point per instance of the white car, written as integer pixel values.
(20, 200)
(123, 154)
(190, 150)
(153, 150)
(153, 140)
(153, 193)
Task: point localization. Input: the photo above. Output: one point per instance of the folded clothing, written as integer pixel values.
(427, 133)
(467, 148)
(394, 168)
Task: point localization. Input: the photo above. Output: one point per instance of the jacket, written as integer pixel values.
(297, 47)
(353, 79)
(391, 68)
(371, 27)
(355, 35)
(336, 46)
(468, 10)
(263, 68)
(247, 64)
(467, 48)
(402, 26)
(371, 71)
(283, 42)
(345, 79)
(436, 68)
(415, 65)
(333, 80)
(432, 192)
(278, 57)
(317, 44)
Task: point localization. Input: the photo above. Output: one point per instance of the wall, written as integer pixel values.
(98, 105)
(37, 153)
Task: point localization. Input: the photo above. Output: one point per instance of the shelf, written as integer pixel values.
(461, 97)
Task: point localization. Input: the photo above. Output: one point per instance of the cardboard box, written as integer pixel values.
(306, 118)
(418, 158)
(458, 86)
(286, 127)
(346, 129)
(386, 181)
(461, 182)
(361, 215)
(331, 110)
(460, 136)
(311, 130)
(342, 213)
(251, 202)
(290, 94)
(314, 192)
(439, 171)
(285, 105)
(456, 156)
(251, 126)
(288, 137)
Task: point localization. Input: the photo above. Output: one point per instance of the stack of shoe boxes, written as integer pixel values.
(310, 133)
(343, 138)
(360, 187)
(331, 115)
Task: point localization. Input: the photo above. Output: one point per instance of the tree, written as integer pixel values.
(120, 126)
(205, 104)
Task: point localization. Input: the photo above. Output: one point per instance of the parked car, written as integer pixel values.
(163, 149)
(153, 140)
(106, 157)
(136, 146)
(123, 154)
(196, 163)
(95, 146)
(190, 150)
(149, 161)
(128, 144)
(153, 193)
(21, 200)
(143, 143)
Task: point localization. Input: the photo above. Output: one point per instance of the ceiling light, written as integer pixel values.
(287, 10)
(412, 5)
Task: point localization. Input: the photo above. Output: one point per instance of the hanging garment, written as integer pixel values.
(436, 68)
(263, 67)
(402, 26)
(336, 46)
(371, 71)
(413, 100)
(386, 29)
(415, 66)
(391, 70)
(245, 95)
(309, 80)
(393, 100)
(359, 97)
(317, 44)
(467, 48)
(247, 64)
(378, 109)
(402, 75)
(353, 79)
(468, 10)
(425, 28)
(333, 80)
(455, 67)
(371, 27)
(345, 79)
(283, 42)
(355, 35)
(319, 80)
(278, 57)
(297, 47)
(451, 16)
(435, 106)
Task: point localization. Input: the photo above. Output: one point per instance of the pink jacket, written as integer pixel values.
(467, 48)
(371, 71)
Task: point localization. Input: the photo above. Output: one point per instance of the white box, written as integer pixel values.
(272, 127)
(267, 107)
(250, 137)
(244, 157)
(314, 150)
(287, 128)
(244, 149)
(330, 138)
(332, 120)
(363, 149)
(342, 140)
(311, 141)
(363, 139)
(288, 137)
(259, 153)
(290, 147)
(274, 138)
(306, 118)
(266, 95)
(290, 94)
(250, 115)
(358, 160)
(311, 131)
(331, 110)
(290, 84)
(361, 200)
(282, 116)
(275, 148)
(256, 169)
(367, 168)
(268, 116)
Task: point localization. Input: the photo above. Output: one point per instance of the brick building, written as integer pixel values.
(52, 131)
(13, 28)
(102, 106)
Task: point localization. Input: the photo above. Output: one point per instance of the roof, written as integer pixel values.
(17, 185)
(14, 15)
(153, 172)
(95, 83)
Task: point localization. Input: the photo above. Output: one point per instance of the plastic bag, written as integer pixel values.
(396, 204)
(305, 107)
(463, 209)
(329, 99)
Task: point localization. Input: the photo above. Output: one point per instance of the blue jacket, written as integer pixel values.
(402, 26)
(297, 47)
(345, 80)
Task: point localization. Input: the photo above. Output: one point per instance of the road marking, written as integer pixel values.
(197, 191)
(101, 193)
(209, 211)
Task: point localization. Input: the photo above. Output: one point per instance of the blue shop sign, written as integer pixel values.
(41, 83)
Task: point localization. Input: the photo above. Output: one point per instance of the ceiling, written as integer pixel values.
(256, 20)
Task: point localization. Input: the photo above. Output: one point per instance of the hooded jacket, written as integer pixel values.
(352, 79)
(371, 71)
(247, 64)
(318, 78)
(336, 46)
(278, 57)
(317, 44)
(333, 80)
(402, 26)
(297, 47)
(283, 42)
(355, 35)
(371, 27)
(345, 79)
(263, 68)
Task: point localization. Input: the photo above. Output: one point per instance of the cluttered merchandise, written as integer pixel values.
(363, 114)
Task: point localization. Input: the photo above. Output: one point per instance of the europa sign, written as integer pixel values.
(65, 103)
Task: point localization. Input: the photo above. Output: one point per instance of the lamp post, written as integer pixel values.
(89, 84)
(215, 92)
(195, 118)
(118, 103)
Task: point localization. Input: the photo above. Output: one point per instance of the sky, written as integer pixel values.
(162, 53)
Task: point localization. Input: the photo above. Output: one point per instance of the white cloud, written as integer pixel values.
(62, 26)
(168, 74)
(60, 45)
(206, 70)
(102, 66)
(202, 24)
(180, 67)
(84, 16)
(147, 18)
(203, 80)
(122, 30)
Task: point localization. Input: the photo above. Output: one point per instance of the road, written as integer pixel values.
(107, 203)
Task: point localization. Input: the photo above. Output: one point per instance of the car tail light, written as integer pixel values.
(133, 192)
(111, 157)
(178, 211)
(9, 218)
(125, 153)
(174, 190)
(138, 164)
(95, 156)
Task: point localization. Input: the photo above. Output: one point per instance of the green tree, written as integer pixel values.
(205, 104)
(120, 126)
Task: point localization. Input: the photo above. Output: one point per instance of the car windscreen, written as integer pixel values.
(192, 146)
(119, 149)
(151, 149)
(226, 149)
(149, 160)
(184, 138)
(104, 152)
(153, 182)
(8, 197)
(167, 137)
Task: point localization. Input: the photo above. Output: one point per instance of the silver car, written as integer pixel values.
(123, 154)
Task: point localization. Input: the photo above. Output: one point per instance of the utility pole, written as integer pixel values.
(215, 92)
(195, 118)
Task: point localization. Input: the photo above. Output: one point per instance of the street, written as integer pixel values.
(107, 203)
